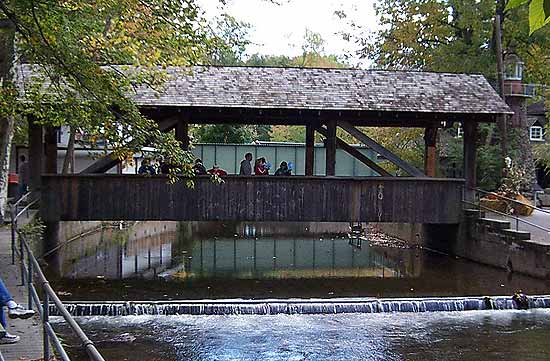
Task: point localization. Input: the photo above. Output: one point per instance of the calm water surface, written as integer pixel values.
(471, 335)
(163, 263)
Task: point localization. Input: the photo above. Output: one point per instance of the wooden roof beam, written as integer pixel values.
(371, 143)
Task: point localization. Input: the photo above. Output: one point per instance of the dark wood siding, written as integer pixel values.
(286, 199)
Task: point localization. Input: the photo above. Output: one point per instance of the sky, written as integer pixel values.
(280, 29)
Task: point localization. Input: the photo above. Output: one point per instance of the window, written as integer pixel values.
(536, 133)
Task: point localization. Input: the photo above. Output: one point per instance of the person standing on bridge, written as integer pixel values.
(199, 168)
(146, 167)
(216, 170)
(246, 166)
(14, 311)
(283, 170)
(261, 167)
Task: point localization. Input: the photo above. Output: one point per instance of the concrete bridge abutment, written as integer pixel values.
(480, 242)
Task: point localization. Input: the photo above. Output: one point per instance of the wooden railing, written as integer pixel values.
(239, 198)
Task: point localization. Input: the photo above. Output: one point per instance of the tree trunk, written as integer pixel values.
(68, 162)
(7, 36)
(6, 136)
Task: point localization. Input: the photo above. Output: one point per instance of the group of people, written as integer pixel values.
(148, 168)
(200, 169)
(261, 167)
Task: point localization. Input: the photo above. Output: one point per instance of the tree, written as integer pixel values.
(73, 44)
(455, 36)
(232, 39)
(7, 116)
(539, 12)
(288, 133)
(223, 133)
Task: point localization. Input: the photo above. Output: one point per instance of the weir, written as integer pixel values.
(296, 306)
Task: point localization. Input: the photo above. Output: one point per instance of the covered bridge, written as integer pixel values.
(319, 99)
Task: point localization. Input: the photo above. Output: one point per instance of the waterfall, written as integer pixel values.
(297, 306)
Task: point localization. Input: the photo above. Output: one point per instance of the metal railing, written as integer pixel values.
(520, 89)
(15, 213)
(32, 273)
(507, 214)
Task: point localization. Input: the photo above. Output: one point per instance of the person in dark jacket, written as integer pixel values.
(199, 168)
(246, 167)
(283, 170)
(146, 167)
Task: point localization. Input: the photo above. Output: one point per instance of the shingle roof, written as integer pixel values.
(323, 89)
(537, 108)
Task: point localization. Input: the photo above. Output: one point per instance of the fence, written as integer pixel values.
(229, 156)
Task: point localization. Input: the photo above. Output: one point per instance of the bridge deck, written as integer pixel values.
(239, 198)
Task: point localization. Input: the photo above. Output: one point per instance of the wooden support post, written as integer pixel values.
(182, 134)
(430, 151)
(36, 154)
(310, 150)
(50, 148)
(330, 147)
(470, 138)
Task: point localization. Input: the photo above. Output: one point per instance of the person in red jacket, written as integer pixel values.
(260, 167)
(217, 171)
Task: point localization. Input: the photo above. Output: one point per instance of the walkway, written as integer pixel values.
(30, 331)
(539, 218)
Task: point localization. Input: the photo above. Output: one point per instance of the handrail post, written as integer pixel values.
(45, 320)
(29, 279)
(22, 259)
(13, 232)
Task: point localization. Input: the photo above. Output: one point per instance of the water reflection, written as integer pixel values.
(162, 261)
(163, 251)
(285, 258)
(145, 249)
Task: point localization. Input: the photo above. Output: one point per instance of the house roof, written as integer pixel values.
(318, 89)
(537, 108)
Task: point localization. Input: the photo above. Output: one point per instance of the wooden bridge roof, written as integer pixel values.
(350, 94)
(325, 89)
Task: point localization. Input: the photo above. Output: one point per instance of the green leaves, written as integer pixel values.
(72, 40)
(539, 12)
(515, 3)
